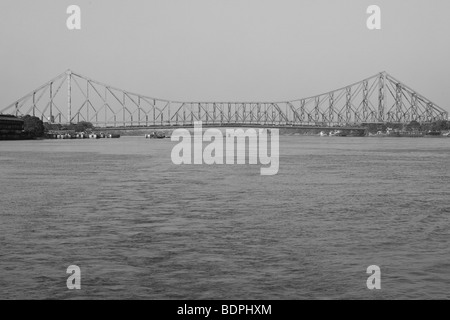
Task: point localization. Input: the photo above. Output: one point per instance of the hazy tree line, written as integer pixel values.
(440, 125)
(34, 127)
(81, 126)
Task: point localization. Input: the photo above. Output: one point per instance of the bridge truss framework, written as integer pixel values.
(71, 98)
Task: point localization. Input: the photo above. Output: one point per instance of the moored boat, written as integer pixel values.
(155, 135)
(338, 133)
(433, 133)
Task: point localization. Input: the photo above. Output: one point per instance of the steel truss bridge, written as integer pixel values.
(72, 97)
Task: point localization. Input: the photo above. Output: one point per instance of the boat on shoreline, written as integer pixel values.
(338, 133)
(155, 135)
(433, 133)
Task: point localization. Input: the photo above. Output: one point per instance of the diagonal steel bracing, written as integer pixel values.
(380, 98)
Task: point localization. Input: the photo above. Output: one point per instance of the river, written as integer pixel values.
(140, 227)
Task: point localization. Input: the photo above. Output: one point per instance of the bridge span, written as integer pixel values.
(378, 99)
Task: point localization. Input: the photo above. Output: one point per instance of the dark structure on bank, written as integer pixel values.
(20, 128)
(11, 127)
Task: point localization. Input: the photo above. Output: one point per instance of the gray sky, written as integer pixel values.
(238, 50)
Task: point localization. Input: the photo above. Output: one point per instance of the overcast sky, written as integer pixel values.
(238, 50)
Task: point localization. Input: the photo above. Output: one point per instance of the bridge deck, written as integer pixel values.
(236, 126)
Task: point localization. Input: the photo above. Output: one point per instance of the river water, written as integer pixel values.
(140, 227)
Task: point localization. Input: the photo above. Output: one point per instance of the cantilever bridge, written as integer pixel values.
(72, 97)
